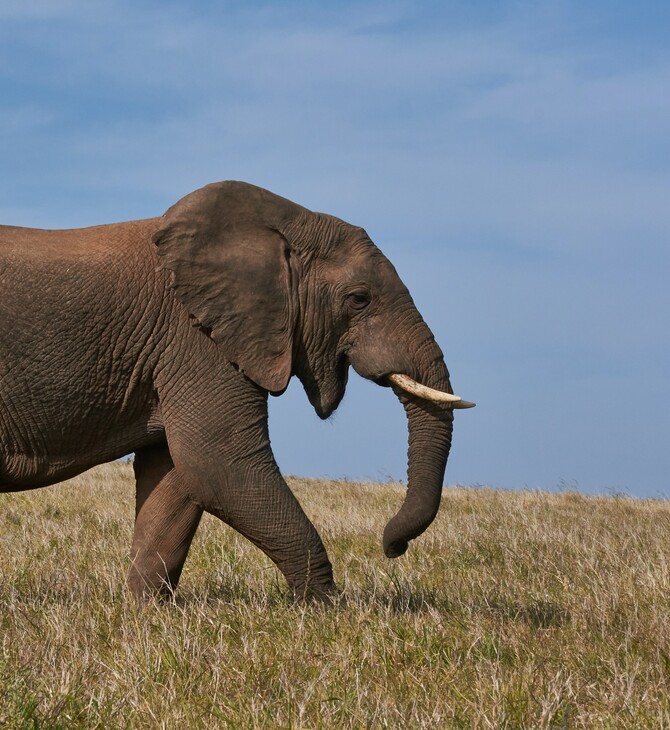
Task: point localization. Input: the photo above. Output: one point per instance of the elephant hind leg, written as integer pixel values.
(165, 522)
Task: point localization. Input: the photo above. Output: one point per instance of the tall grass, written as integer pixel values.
(515, 610)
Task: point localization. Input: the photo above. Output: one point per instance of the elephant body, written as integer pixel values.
(78, 349)
(163, 337)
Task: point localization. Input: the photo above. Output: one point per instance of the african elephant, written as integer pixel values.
(163, 337)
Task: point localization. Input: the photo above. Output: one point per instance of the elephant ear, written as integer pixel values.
(233, 272)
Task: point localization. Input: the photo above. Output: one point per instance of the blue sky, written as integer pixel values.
(511, 158)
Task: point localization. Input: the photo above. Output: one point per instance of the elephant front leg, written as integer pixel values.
(218, 438)
(266, 512)
(249, 494)
(166, 521)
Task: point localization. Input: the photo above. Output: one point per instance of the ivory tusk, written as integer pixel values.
(423, 391)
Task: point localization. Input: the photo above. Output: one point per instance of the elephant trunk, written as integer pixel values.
(430, 429)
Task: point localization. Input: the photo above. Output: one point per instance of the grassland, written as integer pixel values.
(515, 610)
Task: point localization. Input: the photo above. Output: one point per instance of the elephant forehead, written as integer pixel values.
(344, 254)
(350, 247)
(368, 269)
(322, 236)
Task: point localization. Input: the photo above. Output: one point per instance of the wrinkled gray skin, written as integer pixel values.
(164, 337)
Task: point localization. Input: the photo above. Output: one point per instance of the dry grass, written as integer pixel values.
(515, 610)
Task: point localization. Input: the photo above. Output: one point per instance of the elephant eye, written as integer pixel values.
(358, 300)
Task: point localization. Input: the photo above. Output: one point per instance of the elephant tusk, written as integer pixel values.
(423, 391)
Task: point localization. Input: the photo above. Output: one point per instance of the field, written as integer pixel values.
(515, 610)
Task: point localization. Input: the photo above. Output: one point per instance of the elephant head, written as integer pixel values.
(285, 291)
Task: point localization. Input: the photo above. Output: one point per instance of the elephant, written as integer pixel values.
(163, 337)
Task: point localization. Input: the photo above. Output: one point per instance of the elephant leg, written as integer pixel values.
(165, 523)
(222, 452)
(254, 500)
(267, 513)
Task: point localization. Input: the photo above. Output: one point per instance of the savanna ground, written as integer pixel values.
(515, 610)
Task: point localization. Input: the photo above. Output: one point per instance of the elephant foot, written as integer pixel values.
(328, 596)
(145, 589)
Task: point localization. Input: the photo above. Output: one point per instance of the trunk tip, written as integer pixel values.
(395, 548)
